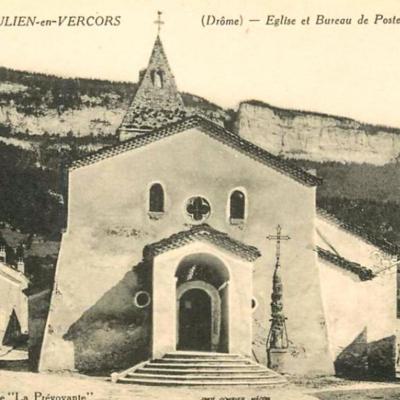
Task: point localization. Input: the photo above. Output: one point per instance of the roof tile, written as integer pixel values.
(203, 233)
(363, 273)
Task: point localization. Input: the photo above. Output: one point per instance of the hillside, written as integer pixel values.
(45, 121)
(41, 104)
(363, 195)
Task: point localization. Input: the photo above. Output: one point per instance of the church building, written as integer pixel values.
(189, 247)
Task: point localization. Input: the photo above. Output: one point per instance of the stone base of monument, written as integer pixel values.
(278, 359)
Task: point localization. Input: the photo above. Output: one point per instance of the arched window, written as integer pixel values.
(237, 205)
(156, 201)
(157, 78)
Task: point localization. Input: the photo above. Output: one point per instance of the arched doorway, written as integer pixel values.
(202, 304)
(198, 313)
(194, 321)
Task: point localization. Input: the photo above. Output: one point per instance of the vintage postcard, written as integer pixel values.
(199, 200)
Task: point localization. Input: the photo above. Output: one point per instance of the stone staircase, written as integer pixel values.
(200, 369)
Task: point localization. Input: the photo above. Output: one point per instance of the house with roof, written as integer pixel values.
(189, 250)
(13, 302)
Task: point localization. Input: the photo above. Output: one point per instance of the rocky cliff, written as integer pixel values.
(38, 104)
(316, 137)
(96, 120)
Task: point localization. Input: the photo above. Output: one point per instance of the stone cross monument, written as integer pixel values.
(277, 341)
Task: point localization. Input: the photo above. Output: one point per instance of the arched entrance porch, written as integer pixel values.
(212, 257)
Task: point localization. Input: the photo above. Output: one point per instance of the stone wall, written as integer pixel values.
(157, 100)
(318, 137)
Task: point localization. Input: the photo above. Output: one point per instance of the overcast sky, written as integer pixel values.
(352, 71)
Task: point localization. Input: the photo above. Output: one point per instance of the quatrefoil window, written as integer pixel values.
(198, 208)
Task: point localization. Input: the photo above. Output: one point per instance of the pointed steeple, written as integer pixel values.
(157, 100)
(157, 88)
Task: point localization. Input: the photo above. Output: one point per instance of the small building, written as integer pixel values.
(13, 301)
(172, 245)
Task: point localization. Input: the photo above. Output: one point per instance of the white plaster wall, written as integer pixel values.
(349, 302)
(352, 305)
(164, 298)
(108, 227)
(345, 300)
(350, 246)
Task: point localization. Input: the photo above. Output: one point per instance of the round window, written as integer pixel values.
(254, 303)
(142, 299)
(198, 208)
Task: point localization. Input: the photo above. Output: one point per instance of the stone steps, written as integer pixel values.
(200, 355)
(229, 376)
(202, 361)
(200, 369)
(158, 382)
(196, 370)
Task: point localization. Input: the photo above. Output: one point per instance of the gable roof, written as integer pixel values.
(362, 234)
(202, 233)
(362, 272)
(10, 273)
(216, 132)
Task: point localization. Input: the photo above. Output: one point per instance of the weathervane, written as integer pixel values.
(277, 337)
(158, 22)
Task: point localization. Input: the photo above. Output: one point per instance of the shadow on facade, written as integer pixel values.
(114, 333)
(364, 360)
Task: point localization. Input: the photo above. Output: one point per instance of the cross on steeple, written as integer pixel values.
(278, 237)
(158, 22)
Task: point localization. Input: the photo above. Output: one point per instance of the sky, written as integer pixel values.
(351, 71)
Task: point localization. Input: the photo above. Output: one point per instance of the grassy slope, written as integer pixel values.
(364, 195)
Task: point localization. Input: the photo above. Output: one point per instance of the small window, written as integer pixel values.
(198, 209)
(237, 206)
(142, 299)
(156, 198)
(254, 304)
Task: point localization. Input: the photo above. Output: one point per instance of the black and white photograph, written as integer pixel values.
(199, 200)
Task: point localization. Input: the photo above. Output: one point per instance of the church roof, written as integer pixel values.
(203, 233)
(10, 273)
(364, 273)
(368, 237)
(157, 99)
(216, 132)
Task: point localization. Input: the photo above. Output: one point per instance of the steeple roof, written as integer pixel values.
(157, 100)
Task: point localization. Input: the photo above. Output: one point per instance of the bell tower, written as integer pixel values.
(157, 100)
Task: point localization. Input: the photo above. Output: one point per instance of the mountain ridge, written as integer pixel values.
(316, 136)
(295, 112)
(31, 157)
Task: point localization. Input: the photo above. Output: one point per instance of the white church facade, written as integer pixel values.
(170, 248)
